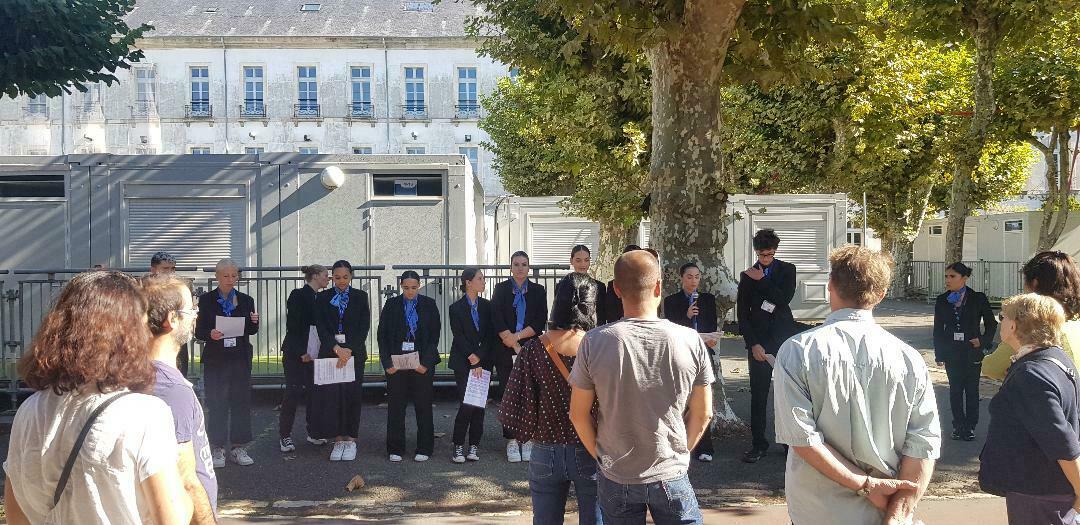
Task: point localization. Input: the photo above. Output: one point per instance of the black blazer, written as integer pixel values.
(356, 325)
(504, 317)
(676, 305)
(601, 297)
(393, 331)
(299, 318)
(209, 309)
(757, 326)
(467, 339)
(612, 304)
(975, 308)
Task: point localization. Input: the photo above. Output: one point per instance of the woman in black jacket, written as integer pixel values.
(474, 342)
(580, 260)
(227, 365)
(343, 320)
(519, 311)
(300, 333)
(409, 324)
(960, 343)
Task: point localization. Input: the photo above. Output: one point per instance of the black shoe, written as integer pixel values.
(968, 435)
(957, 434)
(754, 455)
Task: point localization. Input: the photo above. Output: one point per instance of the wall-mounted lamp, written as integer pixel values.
(88, 138)
(468, 138)
(307, 138)
(414, 135)
(332, 177)
(143, 139)
(251, 134)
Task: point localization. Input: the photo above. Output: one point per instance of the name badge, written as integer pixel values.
(408, 346)
(229, 342)
(340, 338)
(958, 336)
(767, 306)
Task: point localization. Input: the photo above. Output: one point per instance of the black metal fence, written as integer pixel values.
(998, 279)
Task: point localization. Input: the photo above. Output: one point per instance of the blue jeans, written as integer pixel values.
(551, 470)
(670, 502)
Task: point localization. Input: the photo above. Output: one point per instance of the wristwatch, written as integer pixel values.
(864, 490)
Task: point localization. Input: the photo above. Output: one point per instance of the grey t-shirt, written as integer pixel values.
(176, 391)
(642, 371)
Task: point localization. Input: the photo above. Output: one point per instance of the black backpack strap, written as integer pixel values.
(62, 484)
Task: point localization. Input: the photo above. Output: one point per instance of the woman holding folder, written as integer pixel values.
(343, 319)
(226, 319)
(474, 343)
(300, 337)
(409, 329)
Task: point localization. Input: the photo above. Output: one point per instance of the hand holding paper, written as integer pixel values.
(230, 326)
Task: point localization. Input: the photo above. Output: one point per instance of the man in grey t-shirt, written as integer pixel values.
(650, 379)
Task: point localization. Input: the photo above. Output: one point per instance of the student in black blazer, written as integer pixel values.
(298, 365)
(519, 313)
(227, 366)
(695, 309)
(960, 343)
(765, 322)
(343, 320)
(580, 260)
(474, 341)
(410, 324)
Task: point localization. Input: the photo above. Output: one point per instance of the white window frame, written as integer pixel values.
(362, 146)
(421, 147)
(370, 80)
(309, 146)
(1005, 226)
(244, 100)
(476, 168)
(148, 78)
(312, 84)
(423, 105)
(259, 147)
(460, 83)
(200, 149)
(939, 229)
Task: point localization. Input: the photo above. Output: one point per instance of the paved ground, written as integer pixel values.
(305, 484)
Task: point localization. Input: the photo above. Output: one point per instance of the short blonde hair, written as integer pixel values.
(860, 275)
(1038, 318)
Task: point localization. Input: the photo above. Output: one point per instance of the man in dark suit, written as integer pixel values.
(765, 322)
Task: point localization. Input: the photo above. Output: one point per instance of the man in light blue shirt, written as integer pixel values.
(857, 407)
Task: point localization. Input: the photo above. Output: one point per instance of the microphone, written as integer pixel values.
(693, 298)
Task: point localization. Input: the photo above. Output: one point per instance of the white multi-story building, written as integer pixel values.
(251, 76)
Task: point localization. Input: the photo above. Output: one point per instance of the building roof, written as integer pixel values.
(299, 18)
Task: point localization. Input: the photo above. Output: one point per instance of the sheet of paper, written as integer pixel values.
(407, 361)
(771, 359)
(327, 372)
(230, 326)
(313, 343)
(476, 392)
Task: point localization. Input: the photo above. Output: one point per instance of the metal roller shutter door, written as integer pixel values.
(804, 240)
(197, 231)
(551, 242)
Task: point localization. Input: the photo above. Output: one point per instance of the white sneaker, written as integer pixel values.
(240, 456)
(339, 449)
(513, 452)
(316, 442)
(420, 458)
(459, 454)
(705, 457)
(394, 458)
(348, 452)
(219, 458)
(286, 444)
(526, 451)
(474, 453)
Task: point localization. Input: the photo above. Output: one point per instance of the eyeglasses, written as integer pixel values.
(766, 254)
(188, 311)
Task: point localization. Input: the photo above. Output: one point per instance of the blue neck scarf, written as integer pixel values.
(341, 301)
(692, 297)
(767, 270)
(519, 302)
(957, 300)
(474, 311)
(227, 304)
(411, 317)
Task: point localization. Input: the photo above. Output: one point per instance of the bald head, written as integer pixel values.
(637, 277)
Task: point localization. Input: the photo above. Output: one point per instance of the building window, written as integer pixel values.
(415, 106)
(202, 150)
(415, 150)
(253, 92)
(88, 105)
(307, 92)
(515, 72)
(145, 92)
(468, 107)
(360, 105)
(254, 150)
(936, 230)
(407, 185)
(1014, 226)
(854, 238)
(200, 92)
(473, 154)
(37, 107)
(32, 186)
(310, 7)
(419, 7)
(309, 151)
(361, 150)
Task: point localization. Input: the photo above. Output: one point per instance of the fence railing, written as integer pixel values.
(997, 279)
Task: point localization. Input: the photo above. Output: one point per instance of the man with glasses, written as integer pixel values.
(765, 322)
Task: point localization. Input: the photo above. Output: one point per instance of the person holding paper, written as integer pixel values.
(695, 309)
(295, 359)
(409, 329)
(580, 260)
(520, 311)
(474, 343)
(226, 360)
(343, 320)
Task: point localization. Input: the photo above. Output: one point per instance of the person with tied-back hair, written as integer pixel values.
(227, 365)
(298, 364)
(410, 324)
(91, 357)
(1053, 274)
(343, 320)
(536, 404)
(580, 260)
(613, 304)
(472, 348)
(964, 326)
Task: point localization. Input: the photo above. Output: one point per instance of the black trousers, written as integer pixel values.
(760, 382)
(299, 379)
(227, 383)
(964, 393)
(403, 386)
(470, 419)
(334, 410)
(504, 364)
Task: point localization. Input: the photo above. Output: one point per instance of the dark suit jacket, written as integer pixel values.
(975, 308)
(504, 316)
(601, 297)
(299, 318)
(467, 339)
(613, 307)
(676, 305)
(393, 330)
(209, 309)
(757, 326)
(356, 324)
